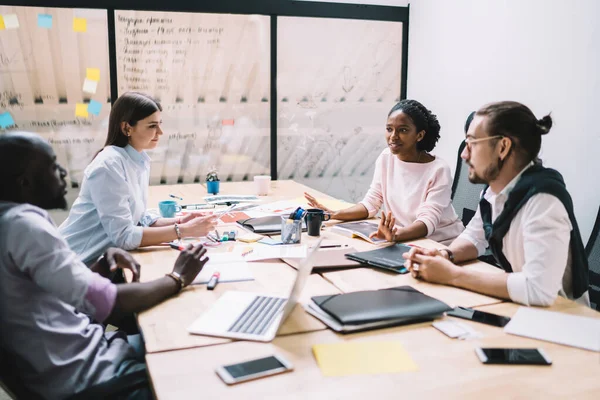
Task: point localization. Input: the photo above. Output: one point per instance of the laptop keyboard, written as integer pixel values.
(258, 316)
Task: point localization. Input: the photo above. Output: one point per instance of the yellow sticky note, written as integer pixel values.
(81, 110)
(80, 24)
(363, 358)
(2, 26)
(93, 74)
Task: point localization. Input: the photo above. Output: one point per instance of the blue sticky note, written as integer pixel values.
(45, 21)
(6, 120)
(94, 107)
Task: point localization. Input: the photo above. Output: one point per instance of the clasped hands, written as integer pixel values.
(431, 265)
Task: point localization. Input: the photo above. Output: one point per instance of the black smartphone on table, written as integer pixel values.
(479, 316)
(513, 356)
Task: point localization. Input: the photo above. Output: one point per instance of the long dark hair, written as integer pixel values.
(131, 107)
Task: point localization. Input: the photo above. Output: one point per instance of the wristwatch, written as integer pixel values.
(177, 278)
(450, 254)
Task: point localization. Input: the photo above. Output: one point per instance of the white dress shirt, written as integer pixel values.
(111, 208)
(537, 245)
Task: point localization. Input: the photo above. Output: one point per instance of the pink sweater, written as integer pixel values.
(415, 192)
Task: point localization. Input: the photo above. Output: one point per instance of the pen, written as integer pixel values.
(333, 245)
(218, 236)
(214, 279)
(177, 246)
(176, 197)
(197, 206)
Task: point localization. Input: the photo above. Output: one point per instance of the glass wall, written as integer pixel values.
(336, 81)
(211, 73)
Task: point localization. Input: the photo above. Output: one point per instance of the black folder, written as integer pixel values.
(270, 225)
(376, 308)
(389, 258)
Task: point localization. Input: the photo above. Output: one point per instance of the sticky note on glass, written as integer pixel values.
(6, 120)
(80, 24)
(363, 358)
(11, 21)
(81, 110)
(94, 107)
(2, 26)
(93, 74)
(45, 21)
(90, 86)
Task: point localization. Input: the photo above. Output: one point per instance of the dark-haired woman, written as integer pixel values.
(111, 208)
(411, 184)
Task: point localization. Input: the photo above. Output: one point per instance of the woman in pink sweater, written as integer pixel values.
(411, 184)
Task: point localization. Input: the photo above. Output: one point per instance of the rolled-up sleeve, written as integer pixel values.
(110, 193)
(475, 234)
(546, 238)
(374, 197)
(437, 199)
(37, 249)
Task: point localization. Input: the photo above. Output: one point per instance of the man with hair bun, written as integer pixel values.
(525, 216)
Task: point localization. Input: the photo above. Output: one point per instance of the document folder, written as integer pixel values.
(389, 258)
(270, 225)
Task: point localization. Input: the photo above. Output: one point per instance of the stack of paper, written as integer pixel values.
(231, 267)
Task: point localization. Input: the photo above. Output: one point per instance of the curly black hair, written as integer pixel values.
(423, 119)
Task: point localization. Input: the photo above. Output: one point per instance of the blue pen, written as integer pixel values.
(176, 197)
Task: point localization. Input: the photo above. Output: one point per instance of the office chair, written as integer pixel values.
(592, 251)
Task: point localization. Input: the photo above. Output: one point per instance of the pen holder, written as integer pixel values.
(291, 230)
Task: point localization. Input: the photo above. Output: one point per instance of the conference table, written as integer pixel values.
(182, 365)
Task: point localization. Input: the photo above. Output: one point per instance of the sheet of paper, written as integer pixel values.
(332, 204)
(2, 26)
(363, 358)
(270, 252)
(6, 120)
(280, 207)
(11, 21)
(45, 21)
(79, 24)
(92, 74)
(94, 107)
(81, 110)
(90, 86)
(570, 330)
(230, 272)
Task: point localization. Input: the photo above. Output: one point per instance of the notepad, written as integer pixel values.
(229, 272)
(570, 330)
(363, 358)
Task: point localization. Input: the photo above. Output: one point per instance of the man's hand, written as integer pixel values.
(190, 262)
(431, 266)
(118, 258)
(386, 229)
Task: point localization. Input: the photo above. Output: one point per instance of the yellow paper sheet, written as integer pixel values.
(93, 74)
(81, 110)
(363, 358)
(2, 26)
(80, 24)
(332, 204)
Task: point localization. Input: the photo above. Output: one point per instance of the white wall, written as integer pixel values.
(543, 53)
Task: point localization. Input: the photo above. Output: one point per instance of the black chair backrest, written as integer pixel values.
(592, 250)
(465, 195)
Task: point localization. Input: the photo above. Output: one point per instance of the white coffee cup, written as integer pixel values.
(262, 183)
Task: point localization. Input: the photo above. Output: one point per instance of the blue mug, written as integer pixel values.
(168, 208)
(212, 187)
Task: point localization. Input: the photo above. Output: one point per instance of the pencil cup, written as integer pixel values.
(291, 230)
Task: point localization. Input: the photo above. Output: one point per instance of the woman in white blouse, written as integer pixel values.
(111, 208)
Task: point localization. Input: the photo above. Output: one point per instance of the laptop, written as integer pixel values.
(253, 316)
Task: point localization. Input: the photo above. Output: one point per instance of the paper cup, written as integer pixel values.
(262, 184)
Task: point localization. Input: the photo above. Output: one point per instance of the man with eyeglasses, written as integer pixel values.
(525, 216)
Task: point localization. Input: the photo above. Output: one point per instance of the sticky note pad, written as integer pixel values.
(90, 86)
(80, 24)
(11, 21)
(45, 21)
(6, 120)
(94, 107)
(92, 74)
(362, 358)
(81, 110)
(2, 26)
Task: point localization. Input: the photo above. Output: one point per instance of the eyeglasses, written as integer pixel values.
(470, 140)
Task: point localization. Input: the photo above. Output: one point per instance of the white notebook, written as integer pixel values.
(570, 330)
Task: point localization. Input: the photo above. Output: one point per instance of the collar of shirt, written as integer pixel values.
(139, 157)
(499, 199)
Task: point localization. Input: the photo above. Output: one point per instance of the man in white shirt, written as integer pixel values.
(525, 216)
(48, 297)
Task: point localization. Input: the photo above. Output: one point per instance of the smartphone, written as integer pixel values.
(254, 369)
(479, 316)
(513, 356)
